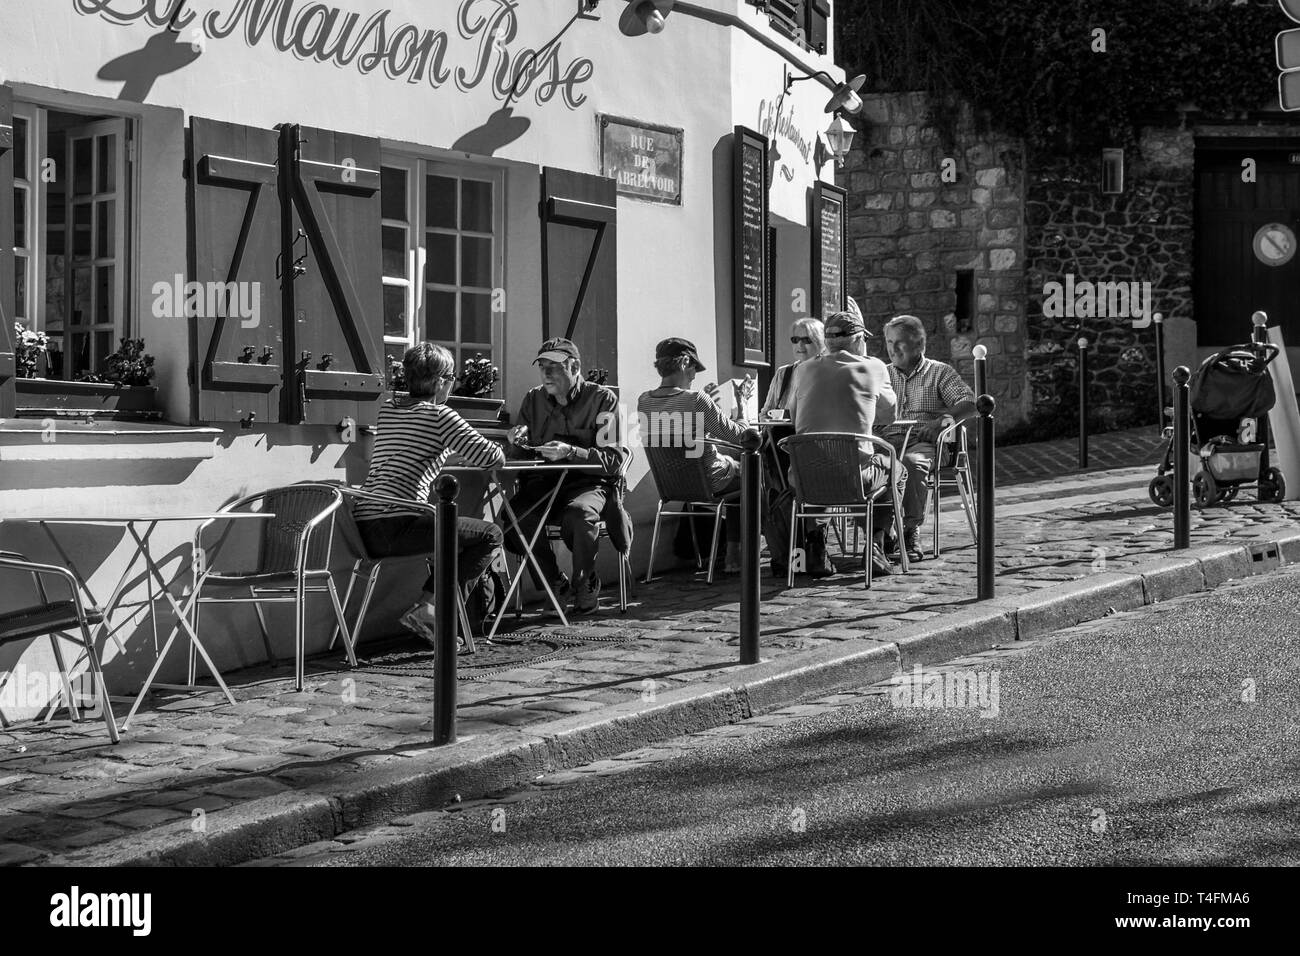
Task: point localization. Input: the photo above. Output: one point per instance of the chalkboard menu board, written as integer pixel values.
(826, 217)
(751, 325)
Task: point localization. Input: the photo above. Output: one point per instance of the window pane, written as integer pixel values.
(20, 148)
(440, 321)
(20, 218)
(392, 192)
(20, 287)
(104, 311)
(476, 262)
(476, 317)
(395, 311)
(440, 201)
(81, 157)
(80, 353)
(81, 231)
(104, 231)
(55, 293)
(103, 348)
(395, 252)
(107, 163)
(441, 264)
(476, 206)
(81, 296)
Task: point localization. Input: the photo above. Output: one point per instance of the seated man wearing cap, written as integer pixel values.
(930, 393)
(844, 390)
(675, 416)
(567, 418)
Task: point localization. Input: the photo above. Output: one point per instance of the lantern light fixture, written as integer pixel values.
(845, 96)
(645, 16)
(839, 136)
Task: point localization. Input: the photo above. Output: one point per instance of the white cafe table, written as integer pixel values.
(141, 528)
(498, 476)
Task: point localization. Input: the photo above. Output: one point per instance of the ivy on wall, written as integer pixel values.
(1040, 70)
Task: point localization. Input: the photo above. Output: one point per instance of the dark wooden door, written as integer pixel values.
(580, 265)
(334, 305)
(1231, 278)
(235, 248)
(7, 290)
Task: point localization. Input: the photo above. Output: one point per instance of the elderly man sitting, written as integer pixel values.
(844, 390)
(930, 393)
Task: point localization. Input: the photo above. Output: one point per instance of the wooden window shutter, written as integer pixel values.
(580, 265)
(334, 303)
(235, 234)
(819, 14)
(8, 367)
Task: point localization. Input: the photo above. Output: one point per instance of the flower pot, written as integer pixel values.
(54, 394)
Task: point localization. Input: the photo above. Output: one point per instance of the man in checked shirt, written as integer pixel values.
(931, 393)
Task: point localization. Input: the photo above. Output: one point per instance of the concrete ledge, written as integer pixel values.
(1221, 563)
(1169, 578)
(955, 635)
(1077, 601)
(775, 684)
(1289, 547)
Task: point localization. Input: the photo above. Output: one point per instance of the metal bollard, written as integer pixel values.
(444, 567)
(750, 546)
(1182, 444)
(985, 405)
(1083, 403)
(980, 353)
(1259, 335)
(1159, 321)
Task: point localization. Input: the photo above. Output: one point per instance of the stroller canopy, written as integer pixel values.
(1233, 383)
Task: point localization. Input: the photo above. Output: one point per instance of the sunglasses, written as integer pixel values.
(796, 339)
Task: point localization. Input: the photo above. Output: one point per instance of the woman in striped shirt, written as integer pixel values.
(416, 434)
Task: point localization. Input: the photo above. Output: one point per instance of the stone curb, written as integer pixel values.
(475, 768)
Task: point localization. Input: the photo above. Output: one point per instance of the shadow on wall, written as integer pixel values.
(166, 52)
(501, 129)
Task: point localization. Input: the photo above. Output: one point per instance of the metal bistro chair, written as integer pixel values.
(952, 468)
(679, 478)
(55, 618)
(293, 561)
(351, 534)
(828, 480)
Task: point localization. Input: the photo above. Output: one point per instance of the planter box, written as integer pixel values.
(97, 396)
(477, 409)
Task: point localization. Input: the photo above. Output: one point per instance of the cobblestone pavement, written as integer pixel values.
(1134, 446)
(63, 787)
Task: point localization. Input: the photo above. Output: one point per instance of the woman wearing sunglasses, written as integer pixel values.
(809, 340)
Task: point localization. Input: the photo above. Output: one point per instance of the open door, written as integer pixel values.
(580, 265)
(8, 368)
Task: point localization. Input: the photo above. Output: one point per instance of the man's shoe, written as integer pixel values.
(911, 545)
(586, 597)
(880, 566)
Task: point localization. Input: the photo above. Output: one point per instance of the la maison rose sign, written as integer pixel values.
(644, 160)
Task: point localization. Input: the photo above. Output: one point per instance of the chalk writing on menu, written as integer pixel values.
(751, 200)
(832, 254)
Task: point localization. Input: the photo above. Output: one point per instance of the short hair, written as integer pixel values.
(672, 364)
(424, 365)
(910, 326)
(814, 329)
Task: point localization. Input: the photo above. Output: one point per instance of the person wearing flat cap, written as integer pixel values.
(674, 416)
(844, 390)
(567, 418)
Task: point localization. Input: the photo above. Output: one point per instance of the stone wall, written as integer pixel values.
(911, 232)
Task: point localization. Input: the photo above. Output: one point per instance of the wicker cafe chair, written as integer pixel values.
(952, 469)
(54, 618)
(352, 535)
(828, 480)
(686, 479)
(293, 561)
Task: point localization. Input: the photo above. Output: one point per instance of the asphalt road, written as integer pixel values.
(1164, 736)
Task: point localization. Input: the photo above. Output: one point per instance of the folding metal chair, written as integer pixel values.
(952, 468)
(293, 561)
(828, 481)
(54, 619)
(684, 479)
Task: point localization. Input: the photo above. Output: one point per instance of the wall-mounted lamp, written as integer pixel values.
(645, 16)
(839, 136)
(845, 96)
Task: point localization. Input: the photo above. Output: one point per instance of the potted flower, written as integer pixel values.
(472, 394)
(129, 365)
(124, 384)
(29, 348)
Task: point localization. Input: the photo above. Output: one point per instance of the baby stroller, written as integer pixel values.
(1231, 396)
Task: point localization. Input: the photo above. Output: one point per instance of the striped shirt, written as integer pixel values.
(678, 418)
(415, 438)
(929, 390)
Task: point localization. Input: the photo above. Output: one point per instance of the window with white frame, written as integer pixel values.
(443, 257)
(70, 237)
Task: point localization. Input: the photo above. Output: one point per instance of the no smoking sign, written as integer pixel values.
(1274, 244)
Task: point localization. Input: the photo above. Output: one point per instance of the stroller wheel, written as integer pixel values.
(1205, 489)
(1272, 488)
(1161, 491)
(1227, 494)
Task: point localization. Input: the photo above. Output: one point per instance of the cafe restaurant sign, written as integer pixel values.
(645, 161)
(477, 51)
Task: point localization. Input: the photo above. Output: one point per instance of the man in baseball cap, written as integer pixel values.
(567, 419)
